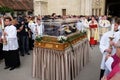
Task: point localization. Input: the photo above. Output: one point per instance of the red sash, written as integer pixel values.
(93, 26)
(115, 70)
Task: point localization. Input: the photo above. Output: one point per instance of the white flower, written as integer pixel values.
(62, 38)
(38, 38)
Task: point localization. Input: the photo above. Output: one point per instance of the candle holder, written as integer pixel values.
(111, 38)
(4, 41)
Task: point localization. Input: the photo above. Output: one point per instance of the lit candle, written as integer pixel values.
(112, 27)
(35, 19)
(2, 22)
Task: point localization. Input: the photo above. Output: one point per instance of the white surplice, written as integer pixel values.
(40, 29)
(32, 26)
(12, 41)
(104, 44)
(79, 25)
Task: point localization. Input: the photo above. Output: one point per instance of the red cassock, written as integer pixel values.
(92, 39)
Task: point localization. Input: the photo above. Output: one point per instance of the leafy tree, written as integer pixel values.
(5, 9)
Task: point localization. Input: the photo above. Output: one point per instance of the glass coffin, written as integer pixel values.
(59, 27)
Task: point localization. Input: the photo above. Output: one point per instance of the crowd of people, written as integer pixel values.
(18, 34)
(17, 37)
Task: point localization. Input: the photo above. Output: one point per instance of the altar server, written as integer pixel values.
(39, 28)
(107, 46)
(10, 45)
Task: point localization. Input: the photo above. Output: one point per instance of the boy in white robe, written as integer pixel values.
(10, 47)
(39, 29)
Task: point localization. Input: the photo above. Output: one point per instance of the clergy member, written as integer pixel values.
(104, 25)
(94, 34)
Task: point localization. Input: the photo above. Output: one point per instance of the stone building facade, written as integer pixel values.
(69, 7)
(98, 7)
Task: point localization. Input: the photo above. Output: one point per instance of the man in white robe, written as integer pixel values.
(105, 44)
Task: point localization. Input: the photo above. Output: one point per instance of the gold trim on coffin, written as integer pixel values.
(54, 44)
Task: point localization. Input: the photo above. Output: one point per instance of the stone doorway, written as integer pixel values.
(113, 7)
(64, 12)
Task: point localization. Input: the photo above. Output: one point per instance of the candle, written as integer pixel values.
(112, 27)
(2, 22)
(35, 19)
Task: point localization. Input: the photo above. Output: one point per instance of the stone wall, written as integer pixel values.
(98, 7)
(71, 7)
